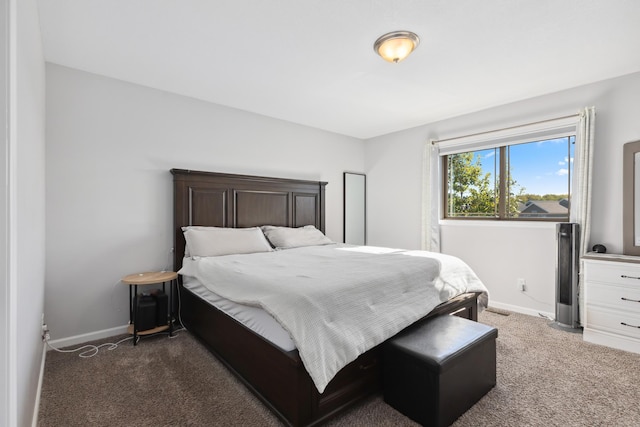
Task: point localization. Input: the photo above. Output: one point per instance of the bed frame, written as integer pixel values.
(278, 378)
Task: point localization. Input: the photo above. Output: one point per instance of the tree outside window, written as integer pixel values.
(536, 183)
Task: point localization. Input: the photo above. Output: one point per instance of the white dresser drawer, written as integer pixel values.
(615, 322)
(626, 298)
(614, 273)
(612, 311)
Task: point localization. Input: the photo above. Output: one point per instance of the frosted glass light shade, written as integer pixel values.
(396, 46)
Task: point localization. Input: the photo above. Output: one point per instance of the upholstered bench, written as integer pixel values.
(436, 370)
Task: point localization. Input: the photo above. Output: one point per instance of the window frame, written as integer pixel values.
(564, 127)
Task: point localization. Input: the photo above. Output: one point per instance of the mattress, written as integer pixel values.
(347, 299)
(254, 318)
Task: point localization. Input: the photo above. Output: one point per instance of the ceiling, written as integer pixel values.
(312, 61)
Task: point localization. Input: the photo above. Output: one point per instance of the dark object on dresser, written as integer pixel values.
(434, 371)
(601, 249)
(278, 378)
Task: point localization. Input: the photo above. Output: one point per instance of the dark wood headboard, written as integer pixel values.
(227, 200)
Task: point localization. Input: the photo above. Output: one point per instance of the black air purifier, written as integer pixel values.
(145, 312)
(162, 308)
(567, 269)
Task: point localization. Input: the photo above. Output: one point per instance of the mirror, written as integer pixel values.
(631, 198)
(355, 217)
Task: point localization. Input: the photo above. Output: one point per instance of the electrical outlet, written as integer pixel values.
(45, 331)
(522, 285)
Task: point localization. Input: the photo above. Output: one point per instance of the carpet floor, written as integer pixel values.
(545, 377)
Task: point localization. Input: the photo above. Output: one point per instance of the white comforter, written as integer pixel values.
(337, 301)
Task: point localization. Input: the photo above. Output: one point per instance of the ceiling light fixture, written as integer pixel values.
(396, 46)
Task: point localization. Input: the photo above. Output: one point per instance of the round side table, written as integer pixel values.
(149, 278)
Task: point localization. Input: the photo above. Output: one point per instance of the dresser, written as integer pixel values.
(612, 301)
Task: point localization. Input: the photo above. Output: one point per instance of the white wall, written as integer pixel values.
(110, 146)
(7, 313)
(501, 253)
(7, 310)
(22, 205)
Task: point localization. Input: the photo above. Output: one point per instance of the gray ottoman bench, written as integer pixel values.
(434, 371)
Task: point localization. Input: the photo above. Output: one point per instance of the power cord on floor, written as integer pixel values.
(91, 350)
(535, 299)
(541, 302)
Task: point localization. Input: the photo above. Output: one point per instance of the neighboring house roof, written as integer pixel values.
(548, 207)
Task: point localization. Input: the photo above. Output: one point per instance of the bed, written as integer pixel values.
(277, 376)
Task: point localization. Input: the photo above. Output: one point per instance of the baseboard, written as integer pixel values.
(36, 406)
(612, 340)
(91, 336)
(522, 310)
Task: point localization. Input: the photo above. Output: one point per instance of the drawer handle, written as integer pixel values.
(624, 276)
(627, 299)
(369, 366)
(631, 326)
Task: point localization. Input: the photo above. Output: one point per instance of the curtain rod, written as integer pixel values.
(437, 141)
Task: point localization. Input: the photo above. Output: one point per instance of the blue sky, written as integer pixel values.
(539, 167)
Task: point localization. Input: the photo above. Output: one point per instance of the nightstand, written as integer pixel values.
(149, 278)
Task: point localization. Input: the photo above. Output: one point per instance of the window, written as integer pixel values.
(528, 180)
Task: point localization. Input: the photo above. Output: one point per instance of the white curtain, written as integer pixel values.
(581, 193)
(431, 197)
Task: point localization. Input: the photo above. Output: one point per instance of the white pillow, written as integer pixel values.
(287, 237)
(216, 241)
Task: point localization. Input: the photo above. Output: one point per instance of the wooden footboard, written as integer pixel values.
(278, 378)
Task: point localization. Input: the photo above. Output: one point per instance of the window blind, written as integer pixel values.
(538, 131)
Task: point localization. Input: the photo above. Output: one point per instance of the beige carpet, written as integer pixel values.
(546, 377)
